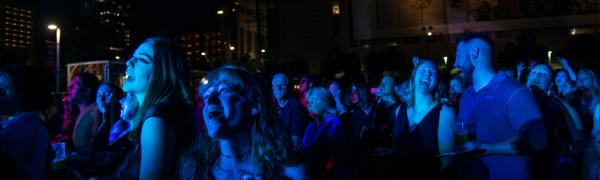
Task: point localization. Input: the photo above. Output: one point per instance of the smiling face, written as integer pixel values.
(463, 62)
(425, 77)
(226, 111)
(139, 70)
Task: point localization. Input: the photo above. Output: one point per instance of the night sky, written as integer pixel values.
(159, 16)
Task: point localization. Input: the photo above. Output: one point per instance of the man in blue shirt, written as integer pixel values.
(505, 120)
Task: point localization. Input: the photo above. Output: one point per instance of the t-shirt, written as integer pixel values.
(498, 112)
(86, 126)
(292, 115)
(24, 140)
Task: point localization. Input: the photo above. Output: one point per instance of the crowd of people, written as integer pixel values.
(483, 123)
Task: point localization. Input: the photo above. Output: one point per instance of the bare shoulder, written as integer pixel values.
(297, 172)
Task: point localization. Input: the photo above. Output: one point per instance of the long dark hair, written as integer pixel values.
(169, 80)
(272, 146)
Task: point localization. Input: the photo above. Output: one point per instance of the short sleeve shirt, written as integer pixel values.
(497, 112)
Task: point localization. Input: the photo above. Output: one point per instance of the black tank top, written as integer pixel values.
(416, 150)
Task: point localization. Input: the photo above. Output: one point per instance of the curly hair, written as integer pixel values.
(272, 146)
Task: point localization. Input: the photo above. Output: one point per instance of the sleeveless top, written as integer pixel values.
(416, 150)
(178, 117)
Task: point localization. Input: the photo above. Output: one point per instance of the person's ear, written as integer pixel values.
(255, 110)
(474, 54)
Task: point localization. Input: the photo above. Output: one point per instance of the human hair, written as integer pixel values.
(323, 99)
(595, 88)
(272, 146)
(363, 94)
(468, 37)
(90, 83)
(169, 80)
(281, 75)
(32, 88)
(438, 91)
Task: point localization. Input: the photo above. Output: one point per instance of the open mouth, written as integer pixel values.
(214, 113)
(424, 82)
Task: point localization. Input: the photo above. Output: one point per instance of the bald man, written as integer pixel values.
(502, 115)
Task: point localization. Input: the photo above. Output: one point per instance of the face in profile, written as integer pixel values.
(540, 76)
(75, 91)
(463, 62)
(7, 94)
(304, 85)
(226, 111)
(103, 96)
(561, 78)
(425, 77)
(139, 69)
(386, 87)
(279, 87)
(335, 89)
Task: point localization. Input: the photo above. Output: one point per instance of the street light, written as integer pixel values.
(231, 48)
(263, 50)
(55, 27)
(203, 53)
(220, 12)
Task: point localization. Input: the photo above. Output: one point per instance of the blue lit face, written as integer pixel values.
(425, 77)
(103, 96)
(127, 111)
(540, 76)
(279, 87)
(335, 90)
(226, 112)
(463, 62)
(561, 78)
(139, 70)
(386, 87)
(585, 80)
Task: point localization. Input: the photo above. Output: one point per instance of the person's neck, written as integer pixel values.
(481, 77)
(282, 101)
(83, 105)
(388, 99)
(140, 98)
(235, 148)
(422, 101)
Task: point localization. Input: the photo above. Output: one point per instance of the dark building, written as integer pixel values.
(201, 48)
(102, 32)
(16, 33)
(308, 30)
(244, 28)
